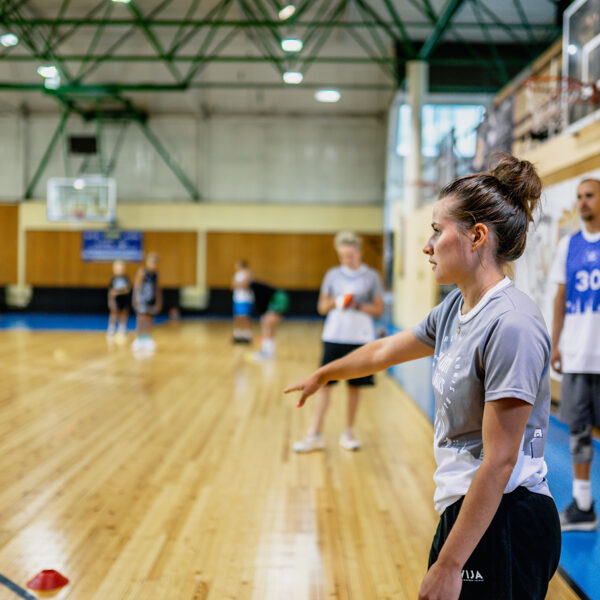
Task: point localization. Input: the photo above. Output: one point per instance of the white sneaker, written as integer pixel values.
(349, 443)
(149, 344)
(309, 443)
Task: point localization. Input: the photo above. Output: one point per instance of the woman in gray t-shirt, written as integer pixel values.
(499, 534)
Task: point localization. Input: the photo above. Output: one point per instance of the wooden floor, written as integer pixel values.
(172, 477)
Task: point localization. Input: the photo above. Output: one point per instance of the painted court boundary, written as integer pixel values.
(18, 590)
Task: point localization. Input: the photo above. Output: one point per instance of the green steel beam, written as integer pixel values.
(176, 46)
(61, 12)
(495, 54)
(94, 42)
(500, 24)
(406, 42)
(213, 58)
(154, 41)
(366, 12)
(188, 16)
(429, 10)
(324, 36)
(443, 22)
(122, 39)
(259, 41)
(75, 27)
(112, 163)
(200, 23)
(169, 161)
(312, 31)
(30, 33)
(389, 72)
(206, 42)
(272, 31)
(92, 92)
(525, 21)
(47, 154)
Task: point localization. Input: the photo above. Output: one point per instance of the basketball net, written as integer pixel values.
(548, 98)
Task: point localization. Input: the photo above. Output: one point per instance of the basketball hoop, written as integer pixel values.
(78, 213)
(548, 98)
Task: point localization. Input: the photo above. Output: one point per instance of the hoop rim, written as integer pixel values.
(571, 85)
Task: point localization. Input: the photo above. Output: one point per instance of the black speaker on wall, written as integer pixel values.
(83, 144)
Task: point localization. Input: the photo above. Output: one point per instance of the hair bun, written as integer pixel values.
(520, 179)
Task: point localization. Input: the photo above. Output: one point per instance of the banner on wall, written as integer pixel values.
(103, 246)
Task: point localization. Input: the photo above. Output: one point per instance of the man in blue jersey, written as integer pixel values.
(576, 326)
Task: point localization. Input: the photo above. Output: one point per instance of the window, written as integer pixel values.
(438, 120)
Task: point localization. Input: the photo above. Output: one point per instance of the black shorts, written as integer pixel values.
(333, 351)
(517, 555)
(122, 301)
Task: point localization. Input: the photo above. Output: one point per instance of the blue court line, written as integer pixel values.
(18, 590)
(580, 556)
(63, 322)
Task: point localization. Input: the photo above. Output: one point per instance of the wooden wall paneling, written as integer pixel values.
(291, 261)
(9, 234)
(54, 259)
(177, 256)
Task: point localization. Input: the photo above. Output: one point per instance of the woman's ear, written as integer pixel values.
(479, 234)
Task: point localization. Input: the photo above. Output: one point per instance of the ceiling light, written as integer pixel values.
(286, 12)
(52, 83)
(291, 45)
(79, 184)
(572, 49)
(122, 1)
(327, 95)
(48, 71)
(8, 40)
(293, 77)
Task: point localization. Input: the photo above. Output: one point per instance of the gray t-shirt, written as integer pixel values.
(351, 326)
(499, 349)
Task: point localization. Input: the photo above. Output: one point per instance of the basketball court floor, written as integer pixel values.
(171, 476)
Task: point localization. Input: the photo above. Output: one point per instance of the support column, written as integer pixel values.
(417, 79)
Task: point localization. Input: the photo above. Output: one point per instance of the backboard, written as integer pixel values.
(581, 58)
(85, 198)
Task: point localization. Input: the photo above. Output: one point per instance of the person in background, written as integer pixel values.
(147, 302)
(243, 300)
(576, 348)
(273, 304)
(351, 297)
(118, 301)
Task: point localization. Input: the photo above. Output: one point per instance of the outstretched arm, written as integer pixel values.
(367, 359)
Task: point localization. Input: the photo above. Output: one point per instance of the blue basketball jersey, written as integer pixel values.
(581, 333)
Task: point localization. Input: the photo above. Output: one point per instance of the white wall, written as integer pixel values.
(228, 159)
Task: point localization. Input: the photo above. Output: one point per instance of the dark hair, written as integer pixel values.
(589, 180)
(503, 199)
